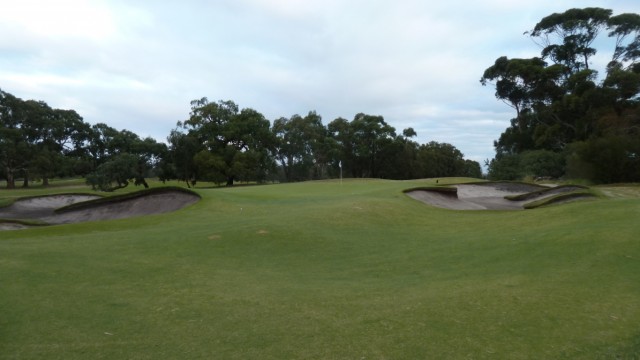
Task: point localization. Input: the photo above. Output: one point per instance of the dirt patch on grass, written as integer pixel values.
(48, 208)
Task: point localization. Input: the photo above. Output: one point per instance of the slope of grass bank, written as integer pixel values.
(323, 270)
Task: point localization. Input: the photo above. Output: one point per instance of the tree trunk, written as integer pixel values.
(230, 181)
(45, 181)
(25, 182)
(11, 182)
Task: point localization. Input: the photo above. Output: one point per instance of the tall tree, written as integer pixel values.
(299, 146)
(441, 160)
(13, 144)
(568, 37)
(179, 160)
(131, 160)
(399, 157)
(239, 142)
(564, 99)
(626, 30)
(369, 134)
(342, 153)
(516, 81)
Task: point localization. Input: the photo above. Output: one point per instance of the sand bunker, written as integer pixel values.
(489, 196)
(43, 209)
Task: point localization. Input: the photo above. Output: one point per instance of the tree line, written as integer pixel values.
(576, 115)
(219, 142)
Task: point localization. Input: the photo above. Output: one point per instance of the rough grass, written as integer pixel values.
(321, 270)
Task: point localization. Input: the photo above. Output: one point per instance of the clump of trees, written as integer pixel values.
(39, 143)
(222, 143)
(574, 116)
(219, 142)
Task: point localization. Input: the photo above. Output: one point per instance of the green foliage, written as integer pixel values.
(507, 167)
(240, 142)
(302, 148)
(562, 108)
(441, 160)
(606, 160)
(528, 164)
(114, 174)
(38, 142)
(180, 160)
(125, 158)
(471, 169)
(219, 143)
(542, 163)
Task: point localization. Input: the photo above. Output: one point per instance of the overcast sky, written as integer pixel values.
(136, 65)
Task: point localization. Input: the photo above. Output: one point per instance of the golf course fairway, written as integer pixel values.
(327, 270)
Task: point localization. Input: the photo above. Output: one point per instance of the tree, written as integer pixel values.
(61, 135)
(119, 171)
(441, 160)
(339, 134)
(369, 135)
(505, 167)
(398, 159)
(179, 160)
(575, 31)
(12, 139)
(123, 158)
(102, 144)
(38, 142)
(516, 81)
(72, 137)
(240, 141)
(626, 30)
(299, 147)
(561, 99)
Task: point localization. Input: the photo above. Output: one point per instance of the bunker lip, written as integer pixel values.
(44, 208)
(485, 196)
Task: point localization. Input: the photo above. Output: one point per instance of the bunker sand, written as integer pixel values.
(44, 208)
(489, 196)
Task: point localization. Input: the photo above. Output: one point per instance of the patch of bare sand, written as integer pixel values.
(143, 205)
(490, 196)
(43, 208)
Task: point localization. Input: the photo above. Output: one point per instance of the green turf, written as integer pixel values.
(323, 270)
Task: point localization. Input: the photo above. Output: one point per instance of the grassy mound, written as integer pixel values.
(547, 191)
(447, 190)
(560, 198)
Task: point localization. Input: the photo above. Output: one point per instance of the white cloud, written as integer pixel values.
(59, 19)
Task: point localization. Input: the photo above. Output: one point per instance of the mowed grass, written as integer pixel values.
(323, 270)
